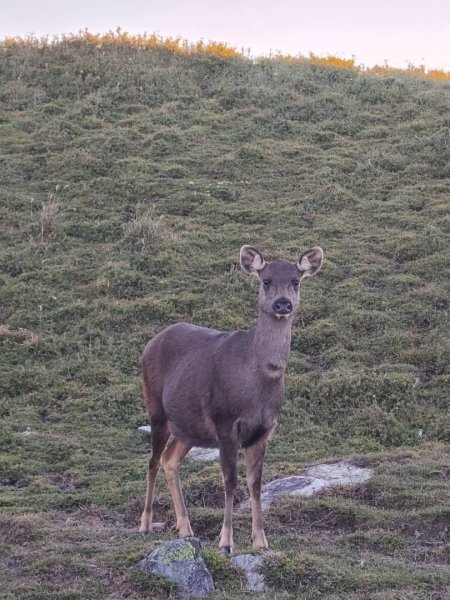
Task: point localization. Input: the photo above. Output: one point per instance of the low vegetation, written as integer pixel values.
(178, 45)
(130, 178)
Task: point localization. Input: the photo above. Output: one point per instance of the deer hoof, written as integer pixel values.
(259, 541)
(260, 546)
(226, 549)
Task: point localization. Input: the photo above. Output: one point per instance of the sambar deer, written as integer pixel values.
(223, 390)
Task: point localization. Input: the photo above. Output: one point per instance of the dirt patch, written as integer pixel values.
(14, 564)
(207, 524)
(18, 530)
(430, 554)
(321, 514)
(93, 517)
(210, 494)
(436, 531)
(131, 511)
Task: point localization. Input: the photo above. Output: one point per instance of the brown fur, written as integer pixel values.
(223, 389)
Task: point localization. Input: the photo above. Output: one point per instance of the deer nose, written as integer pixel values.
(282, 306)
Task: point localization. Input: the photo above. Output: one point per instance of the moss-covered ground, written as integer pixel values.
(129, 181)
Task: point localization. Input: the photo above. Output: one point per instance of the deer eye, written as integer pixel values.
(295, 283)
(267, 282)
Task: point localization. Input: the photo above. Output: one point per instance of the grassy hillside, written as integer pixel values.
(129, 180)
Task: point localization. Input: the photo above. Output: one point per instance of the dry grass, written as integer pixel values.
(146, 232)
(182, 46)
(49, 223)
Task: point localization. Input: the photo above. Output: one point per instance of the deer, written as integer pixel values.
(215, 389)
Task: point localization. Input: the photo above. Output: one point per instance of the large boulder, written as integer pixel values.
(181, 561)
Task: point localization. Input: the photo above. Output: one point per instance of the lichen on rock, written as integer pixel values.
(181, 562)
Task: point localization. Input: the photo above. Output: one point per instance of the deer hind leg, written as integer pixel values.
(171, 461)
(228, 460)
(160, 436)
(254, 457)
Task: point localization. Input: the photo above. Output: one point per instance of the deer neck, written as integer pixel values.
(271, 344)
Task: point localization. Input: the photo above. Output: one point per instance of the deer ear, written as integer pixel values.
(252, 260)
(310, 262)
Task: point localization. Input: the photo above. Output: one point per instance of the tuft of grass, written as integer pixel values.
(227, 578)
(145, 232)
(50, 223)
(142, 582)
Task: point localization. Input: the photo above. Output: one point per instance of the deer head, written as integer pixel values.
(279, 293)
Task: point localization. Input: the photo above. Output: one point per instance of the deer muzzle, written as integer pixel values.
(282, 307)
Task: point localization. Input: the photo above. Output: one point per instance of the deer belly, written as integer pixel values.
(194, 433)
(187, 420)
(185, 398)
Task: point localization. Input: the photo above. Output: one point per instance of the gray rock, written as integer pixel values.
(317, 478)
(290, 486)
(251, 566)
(181, 562)
(341, 473)
(145, 430)
(203, 454)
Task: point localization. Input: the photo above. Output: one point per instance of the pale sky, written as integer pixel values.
(399, 31)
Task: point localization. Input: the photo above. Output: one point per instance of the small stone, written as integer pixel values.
(203, 454)
(28, 432)
(251, 566)
(181, 561)
(145, 430)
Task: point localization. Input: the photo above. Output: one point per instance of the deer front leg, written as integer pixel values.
(228, 460)
(254, 457)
